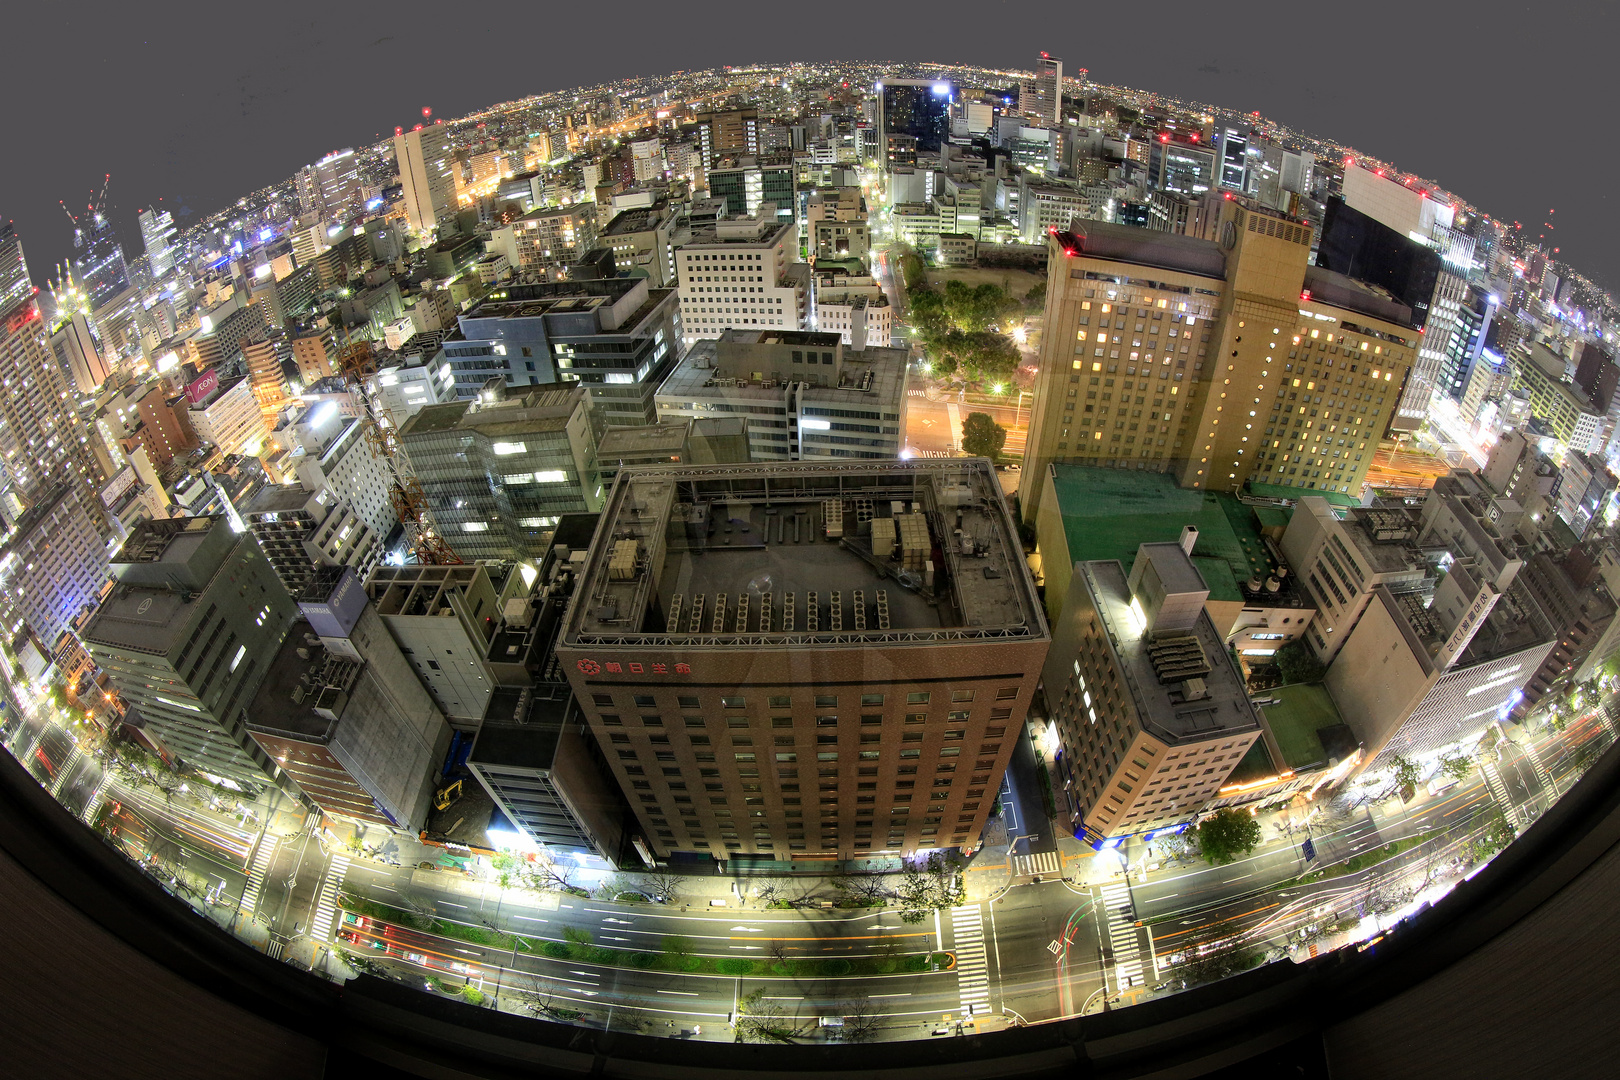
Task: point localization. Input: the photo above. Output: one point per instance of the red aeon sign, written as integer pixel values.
(615, 667)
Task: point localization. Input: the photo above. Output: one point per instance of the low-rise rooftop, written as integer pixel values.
(1164, 704)
(1108, 513)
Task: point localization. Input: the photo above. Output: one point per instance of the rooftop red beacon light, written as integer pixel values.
(398, 130)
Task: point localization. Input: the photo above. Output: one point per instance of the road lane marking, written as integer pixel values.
(682, 993)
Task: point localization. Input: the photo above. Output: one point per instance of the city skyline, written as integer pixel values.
(278, 90)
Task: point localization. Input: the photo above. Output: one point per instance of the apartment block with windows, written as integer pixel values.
(1148, 706)
(743, 272)
(760, 687)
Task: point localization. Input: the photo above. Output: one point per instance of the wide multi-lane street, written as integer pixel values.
(1067, 932)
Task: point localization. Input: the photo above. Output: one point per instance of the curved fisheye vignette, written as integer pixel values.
(823, 554)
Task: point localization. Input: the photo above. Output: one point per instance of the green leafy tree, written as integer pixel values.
(982, 436)
(1456, 766)
(1226, 834)
(927, 886)
(1035, 299)
(1298, 665)
(579, 941)
(1406, 772)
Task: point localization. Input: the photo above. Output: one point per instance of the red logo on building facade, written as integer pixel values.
(615, 667)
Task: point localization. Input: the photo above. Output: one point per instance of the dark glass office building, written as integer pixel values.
(918, 108)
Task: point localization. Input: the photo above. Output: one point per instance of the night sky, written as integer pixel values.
(196, 104)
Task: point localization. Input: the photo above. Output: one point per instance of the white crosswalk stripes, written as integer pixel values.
(1123, 939)
(1042, 862)
(1493, 781)
(261, 866)
(326, 905)
(972, 973)
(1541, 770)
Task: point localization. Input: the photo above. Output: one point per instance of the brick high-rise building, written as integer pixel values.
(1227, 363)
(809, 661)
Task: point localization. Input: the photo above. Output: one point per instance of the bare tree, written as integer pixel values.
(420, 911)
(661, 886)
(862, 887)
(759, 1020)
(861, 1019)
(549, 873)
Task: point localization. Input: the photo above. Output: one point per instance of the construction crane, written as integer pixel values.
(357, 364)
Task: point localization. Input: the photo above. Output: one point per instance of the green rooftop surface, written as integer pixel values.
(1256, 765)
(1279, 491)
(1107, 513)
(1300, 711)
(1273, 517)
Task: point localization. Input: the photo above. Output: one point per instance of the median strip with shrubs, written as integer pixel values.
(676, 956)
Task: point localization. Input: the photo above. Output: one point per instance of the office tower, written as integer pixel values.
(158, 237)
(498, 471)
(15, 285)
(334, 454)
(759, 687)
(53, 563)
(344, 714)
(1412, 216)
(229, 418)
(733, 132)
(1572, 417)
(442, 618)
(535, 754)
(98, 261)
(330, 188)
(426, 165)
(1232, 159)
(300, 531)
(742, 272)
(188, 636)
(642, 238)
(1224, 363)
(1149, 706)
(1047, 103)
(1182, 165)
(79, 355)
(42, 441)
(547, 239)
(1419, 705)
(804, 396)
(616, 337)
(1466, 344)
(1429, 601)
(748, 184)
(269, 382)
(1044, 205)
(913, 118)
(314, 354)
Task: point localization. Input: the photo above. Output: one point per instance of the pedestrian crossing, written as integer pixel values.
(326, 906)
(275, 947)
(1498, 790)
(972, 972)
(1123, 940)
(1541, 770)
(1042, 862)
(260, 867)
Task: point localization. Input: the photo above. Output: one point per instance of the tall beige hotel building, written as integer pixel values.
(1221, 361)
